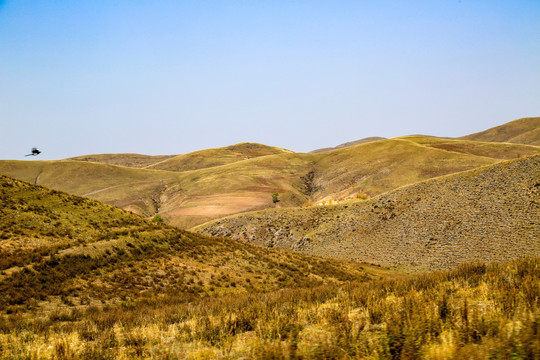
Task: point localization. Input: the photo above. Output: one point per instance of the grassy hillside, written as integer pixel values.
(490, 214)
(381, 166)
(210, 184)
(216, 157)
(129, 160)
(494, 150)
(60, 248)
(520, 131)
(185, 162)
(137, 190)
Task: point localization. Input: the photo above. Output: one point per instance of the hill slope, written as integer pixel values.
(137, 190)
(490, 214)
(216, 157)
(59, 248)
(188, 198)
(520, 131)
(191, 161)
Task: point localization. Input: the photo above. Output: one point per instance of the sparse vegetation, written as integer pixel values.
(477, 311)
(128, 160)
(57, 247)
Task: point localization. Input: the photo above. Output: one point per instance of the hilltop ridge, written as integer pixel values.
(520, 131)
(350, 143)
(190, 161)
(215, 157)
(129, 160)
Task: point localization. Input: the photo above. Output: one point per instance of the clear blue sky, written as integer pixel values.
(170, 77)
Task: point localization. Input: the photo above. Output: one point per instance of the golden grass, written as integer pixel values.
(503, 151)
(476, 312)
(216, 157)
(520, 131)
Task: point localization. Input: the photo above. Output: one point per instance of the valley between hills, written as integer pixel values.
(404, 248)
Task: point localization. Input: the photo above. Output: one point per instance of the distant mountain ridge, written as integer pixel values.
(520, 131)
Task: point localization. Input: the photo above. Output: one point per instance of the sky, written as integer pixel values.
(171, 77)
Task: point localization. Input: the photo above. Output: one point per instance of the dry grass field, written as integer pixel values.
(215, 157)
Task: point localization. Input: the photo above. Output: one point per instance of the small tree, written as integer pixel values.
(275, 198)
(158, 218)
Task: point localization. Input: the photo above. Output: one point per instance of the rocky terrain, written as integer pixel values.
(488, 214)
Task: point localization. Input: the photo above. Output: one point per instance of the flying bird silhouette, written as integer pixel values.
(35, 152)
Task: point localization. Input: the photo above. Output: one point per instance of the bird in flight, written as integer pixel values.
(35, 152)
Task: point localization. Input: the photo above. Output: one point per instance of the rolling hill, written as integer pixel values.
(520, 131)
(57, 248)
(215, 157)
(384, 165)
(191, 189)
(191, 161)
(491, 214)
(81, 279)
